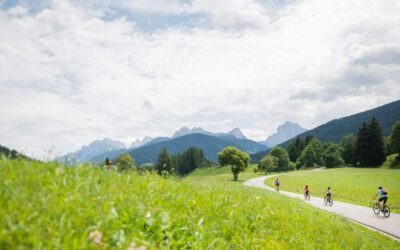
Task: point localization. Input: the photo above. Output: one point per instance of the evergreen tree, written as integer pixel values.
(294, 149)
(362, 150)
(370, 147)
(164, 164)
(395, 139)
(189, 160)
(377, 143)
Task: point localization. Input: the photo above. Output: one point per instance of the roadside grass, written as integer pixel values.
(353, 185)
(48, 206)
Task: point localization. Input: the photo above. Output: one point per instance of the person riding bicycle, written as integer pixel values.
(328, 193)
(277, 183)
(306, 191)
(383, 196)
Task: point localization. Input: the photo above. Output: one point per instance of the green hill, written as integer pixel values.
(47, 206)
(10, 153)
(387, 115)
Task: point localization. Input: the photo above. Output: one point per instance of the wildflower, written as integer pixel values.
(96, 236)
(132, 246)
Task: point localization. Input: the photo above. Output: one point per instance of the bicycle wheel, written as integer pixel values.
(330, 202)
(386, 211)
(325, 201)
(376, 208)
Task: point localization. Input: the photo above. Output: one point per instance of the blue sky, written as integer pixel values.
(75, 71)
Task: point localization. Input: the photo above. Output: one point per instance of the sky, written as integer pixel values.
(75, 71)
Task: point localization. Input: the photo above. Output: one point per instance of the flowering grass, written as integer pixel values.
(353, 185)
(47, 206)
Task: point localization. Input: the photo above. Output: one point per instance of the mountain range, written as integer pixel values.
(86, 153)
(211, 145)
(99, 150)
(236, 132)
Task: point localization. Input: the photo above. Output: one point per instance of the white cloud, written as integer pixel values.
(67, 76)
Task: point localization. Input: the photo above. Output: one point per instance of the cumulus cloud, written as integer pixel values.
(69, 74)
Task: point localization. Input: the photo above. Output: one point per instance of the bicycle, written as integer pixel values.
(307, 196)
(277, 188)
(377, 208)
(328, 200)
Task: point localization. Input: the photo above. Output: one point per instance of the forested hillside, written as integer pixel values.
(334, 130)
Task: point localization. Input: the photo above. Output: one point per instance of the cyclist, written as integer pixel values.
(306, 191)
(383, 196)
(328, 194)
(277, 183)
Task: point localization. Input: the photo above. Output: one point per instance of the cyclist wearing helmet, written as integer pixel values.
(383, 196)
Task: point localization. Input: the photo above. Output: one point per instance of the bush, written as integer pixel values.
(311, 155)
(332, 155)
(269, 163)
(283, 157)
(392, 161)
(125, 162)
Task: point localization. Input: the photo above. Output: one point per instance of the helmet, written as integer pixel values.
(379, 187)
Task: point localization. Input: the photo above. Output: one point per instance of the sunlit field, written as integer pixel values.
(354, 185)
(54, 207)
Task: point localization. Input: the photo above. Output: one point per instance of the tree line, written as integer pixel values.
(181, 163)
(369, 148)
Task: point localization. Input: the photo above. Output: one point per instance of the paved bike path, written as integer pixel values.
(360, 214)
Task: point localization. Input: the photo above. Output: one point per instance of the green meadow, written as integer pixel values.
(48, 206)
(353, 185)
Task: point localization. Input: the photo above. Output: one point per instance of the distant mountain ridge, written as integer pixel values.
(97, 152)
(236, 132)
(211, 145)
(286, 131)
(137, 143)
(86, 153)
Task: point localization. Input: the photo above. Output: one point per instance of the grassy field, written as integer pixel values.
(354, 185)
(46, 206)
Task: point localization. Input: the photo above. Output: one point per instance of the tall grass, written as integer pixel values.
(46, 206)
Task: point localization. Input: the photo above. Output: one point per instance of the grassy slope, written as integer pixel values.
(48, 206)
(354, 185)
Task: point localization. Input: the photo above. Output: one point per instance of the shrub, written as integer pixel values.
(125, 162)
